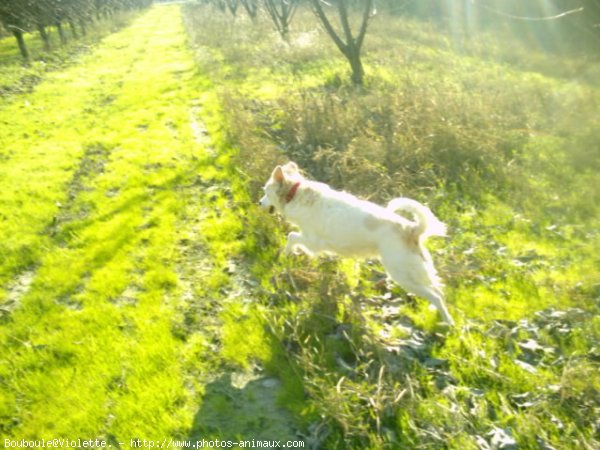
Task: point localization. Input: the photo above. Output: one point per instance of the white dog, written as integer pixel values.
(337, 222)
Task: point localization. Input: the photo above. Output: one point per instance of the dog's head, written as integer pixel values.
(279, 187)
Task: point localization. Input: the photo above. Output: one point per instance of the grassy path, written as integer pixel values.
(109, 206)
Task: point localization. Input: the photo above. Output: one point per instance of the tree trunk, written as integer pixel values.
(251, 8)
(285, 32)
(349, 45)
(358, 72)
(45, 37)
(18, 34)
(282, 12)
(73, 29)
(83, 27)
(61, 33)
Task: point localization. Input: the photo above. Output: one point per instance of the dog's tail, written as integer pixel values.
(426, 224)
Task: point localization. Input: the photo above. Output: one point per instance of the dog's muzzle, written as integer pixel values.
(263, 204)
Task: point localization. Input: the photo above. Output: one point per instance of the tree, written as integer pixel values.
(251, 7)
(233, 5)
(22, 16)
(282, 12)
(14, 17)
(40, 15)
(345, 41)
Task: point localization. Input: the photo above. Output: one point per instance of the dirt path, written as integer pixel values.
(112, 284)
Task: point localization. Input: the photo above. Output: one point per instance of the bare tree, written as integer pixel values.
(221, 5)
(346, 42)
(22, 16)
(40, 16)
(282, 13)
(251, 7)
(14, 17)
(233, 5)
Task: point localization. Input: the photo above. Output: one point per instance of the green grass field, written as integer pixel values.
(142, 291)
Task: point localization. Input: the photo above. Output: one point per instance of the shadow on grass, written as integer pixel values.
(242, 407)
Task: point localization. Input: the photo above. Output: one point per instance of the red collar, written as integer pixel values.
(290, 195)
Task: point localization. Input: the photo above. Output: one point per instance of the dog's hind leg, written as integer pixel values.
(415, 278)
(435, 298)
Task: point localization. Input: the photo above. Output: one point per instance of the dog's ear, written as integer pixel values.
(291, 167)
(278, 175)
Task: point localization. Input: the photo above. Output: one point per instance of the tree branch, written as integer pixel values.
(531, 19)
(343, 11)
(330, 30)
(363, 28)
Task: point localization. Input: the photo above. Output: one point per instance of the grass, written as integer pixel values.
(143, 294)
(503, 147)
(118, 229)
(94, 194)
